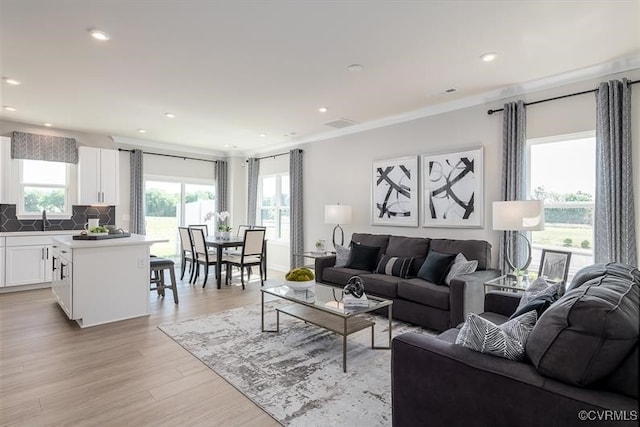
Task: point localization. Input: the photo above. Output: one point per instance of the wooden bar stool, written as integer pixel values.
(158, 266)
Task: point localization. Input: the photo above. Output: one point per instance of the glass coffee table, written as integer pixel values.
(322, 306)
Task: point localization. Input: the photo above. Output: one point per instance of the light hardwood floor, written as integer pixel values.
(52, 373)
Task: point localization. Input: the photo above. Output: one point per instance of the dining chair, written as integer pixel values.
(241, 229)
(204, 227)
(252, 255)
(187, 253)
(204, 256)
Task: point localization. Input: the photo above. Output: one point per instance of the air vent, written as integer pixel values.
(341, 123)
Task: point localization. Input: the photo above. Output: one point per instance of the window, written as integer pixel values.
(169, 204)
(44, 186)
(562, 173)
(273, 200)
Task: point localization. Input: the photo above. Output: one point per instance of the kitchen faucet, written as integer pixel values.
(44, 220)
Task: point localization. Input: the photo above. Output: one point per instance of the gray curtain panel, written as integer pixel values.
(136, 197)
(253, 169)
(30, 146)
(614, 222)
(295, 184)
(514, 129)
(221, 185)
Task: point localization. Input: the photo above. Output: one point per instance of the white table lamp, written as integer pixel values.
(337, 214)
(518, 215)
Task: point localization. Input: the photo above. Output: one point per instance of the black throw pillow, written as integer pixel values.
(363, 257)
(435, 267)
(539, 303)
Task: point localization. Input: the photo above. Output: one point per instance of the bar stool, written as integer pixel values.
(158, 266)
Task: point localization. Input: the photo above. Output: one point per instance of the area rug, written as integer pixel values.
(296, 375)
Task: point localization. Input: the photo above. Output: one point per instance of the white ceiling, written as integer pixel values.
(230, 71)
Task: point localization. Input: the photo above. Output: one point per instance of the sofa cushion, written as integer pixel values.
(506, 340)
(423, 292)
(394, 266)
(479, 250)
(380, 284)
(460, 267)
(379, 240)
(363, 257)
(416, 247)
(435, 267)
(340, 275)
(586, 334)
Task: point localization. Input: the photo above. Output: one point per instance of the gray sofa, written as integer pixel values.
(582, 363)
(415, 300)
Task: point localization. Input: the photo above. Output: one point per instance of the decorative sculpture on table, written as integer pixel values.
(354, 293)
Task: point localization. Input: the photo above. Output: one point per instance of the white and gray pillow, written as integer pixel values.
(507, 340)
(459, 267)
(538, 288)
(342, 255)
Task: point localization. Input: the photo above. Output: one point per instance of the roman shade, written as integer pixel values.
(31, 146)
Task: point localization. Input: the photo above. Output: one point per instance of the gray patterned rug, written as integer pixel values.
(296, 375)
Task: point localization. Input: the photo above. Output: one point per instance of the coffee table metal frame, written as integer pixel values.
(333, 317)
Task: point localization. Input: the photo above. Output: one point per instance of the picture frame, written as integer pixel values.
(453, 189)
(394, 192)
(554, 265)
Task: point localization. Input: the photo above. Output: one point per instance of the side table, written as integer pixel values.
(313, 255)
(507, 282)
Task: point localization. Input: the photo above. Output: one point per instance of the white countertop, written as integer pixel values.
(38, 233)
(134, 239)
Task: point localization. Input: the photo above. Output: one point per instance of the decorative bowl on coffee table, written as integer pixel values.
(300, 286)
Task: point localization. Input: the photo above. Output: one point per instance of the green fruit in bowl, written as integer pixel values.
(302, 274)
(99, 229)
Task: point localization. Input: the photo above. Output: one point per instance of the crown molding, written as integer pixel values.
(588, 73)
(165, 148)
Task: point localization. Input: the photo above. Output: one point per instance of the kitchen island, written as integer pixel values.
(102, 281)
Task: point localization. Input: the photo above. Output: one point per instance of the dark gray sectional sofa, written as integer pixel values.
(581, 367)
(415, 300)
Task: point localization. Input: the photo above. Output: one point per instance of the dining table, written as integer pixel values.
(233, 242)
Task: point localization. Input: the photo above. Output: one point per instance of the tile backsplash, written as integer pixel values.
(80, 214)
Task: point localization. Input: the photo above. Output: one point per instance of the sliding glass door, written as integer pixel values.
(173, 203)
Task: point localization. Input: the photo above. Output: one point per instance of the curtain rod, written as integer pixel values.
(274, 156)
(171, 155)
(490, 112)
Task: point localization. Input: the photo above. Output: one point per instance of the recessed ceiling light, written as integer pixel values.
(235, 146)
(489, 56)
(355, 67)
(142, 130)
(47, 124)
(226, 145)
(263, 135)
(10, 81)
(99, 35)
(451, 90)
(10, 108)
(170, 115)
(323, 109)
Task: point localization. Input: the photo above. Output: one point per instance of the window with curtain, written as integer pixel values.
(43, 186)
(562, 172)
(273, 200)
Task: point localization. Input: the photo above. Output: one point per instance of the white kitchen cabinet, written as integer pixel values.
(98, 176)
(61, 284)
(28, 260)
(1, 262)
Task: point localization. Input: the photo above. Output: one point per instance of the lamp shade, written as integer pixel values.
(337, 214)
(518, 215)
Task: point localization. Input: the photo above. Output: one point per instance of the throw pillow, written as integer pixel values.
(435, 267)
(394, 266)
(538, 288)
(342, 255)
(507, 340)
(363, 257)
(539, 304)
(459, 267)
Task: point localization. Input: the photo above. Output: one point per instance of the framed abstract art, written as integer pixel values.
(452, 186)
(394, 199)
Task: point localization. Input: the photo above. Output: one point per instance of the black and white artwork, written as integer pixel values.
(453, 189)
(395, 192)
(554, 265)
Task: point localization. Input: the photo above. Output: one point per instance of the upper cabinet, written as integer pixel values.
(5, 170)
(98, 175)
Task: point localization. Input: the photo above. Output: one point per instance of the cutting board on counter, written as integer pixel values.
(103, 237)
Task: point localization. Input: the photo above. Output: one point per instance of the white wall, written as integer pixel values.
(339, 169)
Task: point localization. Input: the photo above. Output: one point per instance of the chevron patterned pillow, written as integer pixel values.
(507, 340)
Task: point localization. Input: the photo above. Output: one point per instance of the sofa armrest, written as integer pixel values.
(466, 294)
(322, 263)
(501, 302)
(435, 382)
